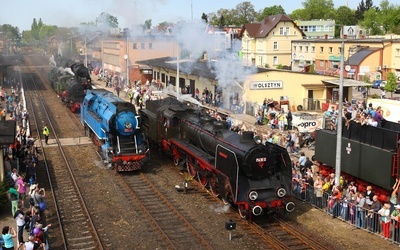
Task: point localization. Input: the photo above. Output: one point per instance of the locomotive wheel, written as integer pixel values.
(190, 169)
(213, 184)
(243, 211)
(202, 179)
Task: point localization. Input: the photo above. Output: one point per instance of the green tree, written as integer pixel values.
(387, 16)
(391, 84)
(319, 9)
(362, 8)
(215, 18)
(269, 11)
(244, 13)
(10, 32)
(204, 17)
(315, 9)
(35, 29)
(371, 22)
(299, 14)
(47, 31)
(344, 16)
(147, 24)
(106, 20)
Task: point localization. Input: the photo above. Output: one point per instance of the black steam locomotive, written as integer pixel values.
(70, 83)
(369, 155)
(238, 168)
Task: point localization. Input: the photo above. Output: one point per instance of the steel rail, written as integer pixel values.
(75, 185)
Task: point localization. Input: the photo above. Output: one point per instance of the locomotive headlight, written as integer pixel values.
(128, 125)
(257, 139)
(281, 192)
(253, 195)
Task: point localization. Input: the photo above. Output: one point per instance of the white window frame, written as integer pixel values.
(275, 60)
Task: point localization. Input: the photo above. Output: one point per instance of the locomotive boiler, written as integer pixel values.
(238, 168)
(114, 126)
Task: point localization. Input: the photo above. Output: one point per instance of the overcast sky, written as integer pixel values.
(70, 13)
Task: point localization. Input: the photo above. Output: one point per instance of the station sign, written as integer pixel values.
(260, 85)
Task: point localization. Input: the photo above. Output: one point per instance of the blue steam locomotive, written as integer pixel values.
(114, 127)
(254, 177)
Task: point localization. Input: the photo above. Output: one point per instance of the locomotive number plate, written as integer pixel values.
(263, 159)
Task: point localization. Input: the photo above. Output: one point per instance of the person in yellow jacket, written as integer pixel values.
(46, 133)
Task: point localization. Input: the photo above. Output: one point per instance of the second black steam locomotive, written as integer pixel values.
(241, 170)
(70, 83)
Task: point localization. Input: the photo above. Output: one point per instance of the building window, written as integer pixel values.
(281, 31)
(301, 48)
(312, 49)
(294, 48)
(142, 46)
(275, 60)
(322, 64)
(321, 49)
(259, 45)
(397, 52)
(134, 45)
(306, 48)
(340, 50)
(150, 45)
(260, 60)
(275, 45)
(330, 50)
(287, 32)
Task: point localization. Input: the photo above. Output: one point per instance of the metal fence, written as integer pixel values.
(349, 212)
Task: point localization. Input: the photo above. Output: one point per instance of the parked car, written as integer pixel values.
(378, 84)
(397, 91)
(382, 85)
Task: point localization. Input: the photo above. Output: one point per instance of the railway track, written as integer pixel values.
(71, 214)
(165, 217)
(286, 236)
(274, 232)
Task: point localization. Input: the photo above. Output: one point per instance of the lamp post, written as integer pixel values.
(85, 52)
(177, 69)
(339, 120)
(127, 58)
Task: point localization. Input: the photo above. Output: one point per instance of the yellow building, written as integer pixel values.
(268, 43)
(296, 90)
(363, 58)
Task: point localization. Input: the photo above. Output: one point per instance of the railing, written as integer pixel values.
(348, 211)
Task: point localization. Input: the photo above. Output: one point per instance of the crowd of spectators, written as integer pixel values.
(347, 201)
(358, 112)
(20, 162)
